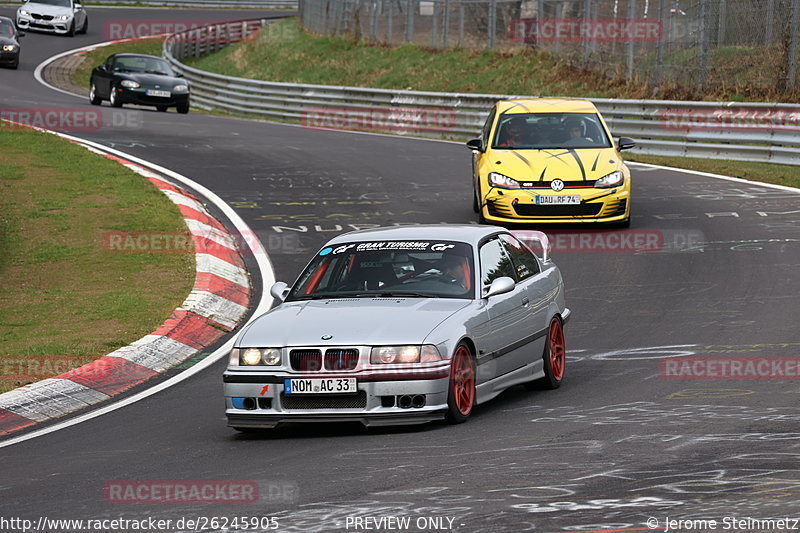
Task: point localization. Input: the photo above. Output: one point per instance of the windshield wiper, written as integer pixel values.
(396, 294)
(358, 294)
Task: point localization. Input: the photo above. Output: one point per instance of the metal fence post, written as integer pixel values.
(373, 20)
(769, 31)
(460, 24)
(587, 6)
(559, 15)
(389, 28)
(662, 10)
(792, 70)
(446, 23)
(705, 23)
(492, 23)
(435, 23)
(721, 28)
(409, 21)
(631, 16)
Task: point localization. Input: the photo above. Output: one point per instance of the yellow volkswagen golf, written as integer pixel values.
(548, 160)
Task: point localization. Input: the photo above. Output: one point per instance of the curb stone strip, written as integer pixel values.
(217, 302)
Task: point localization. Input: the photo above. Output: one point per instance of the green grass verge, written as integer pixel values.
(64, 299)
(283, 51)
(766, 172)
(80, 76)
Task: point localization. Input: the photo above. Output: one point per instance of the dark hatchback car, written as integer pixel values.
(139, 79)
(9, 43)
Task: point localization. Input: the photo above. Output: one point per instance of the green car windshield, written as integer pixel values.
(424, 269)
(542, 131)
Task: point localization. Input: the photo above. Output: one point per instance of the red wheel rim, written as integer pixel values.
(557, 351)
(463, 381)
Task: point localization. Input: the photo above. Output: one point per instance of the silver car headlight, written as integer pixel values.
(62, 17)
(504, 182)
(129, 84)
(23, 13)
(9, 48)
(611, 180)
(404, 354)
(180, 88)
(255, 356)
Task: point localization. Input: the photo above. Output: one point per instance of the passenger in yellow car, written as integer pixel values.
(513, 133)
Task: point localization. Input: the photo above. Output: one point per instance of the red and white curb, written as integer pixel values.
(216, 304)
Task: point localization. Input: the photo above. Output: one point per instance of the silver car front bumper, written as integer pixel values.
(270, 406)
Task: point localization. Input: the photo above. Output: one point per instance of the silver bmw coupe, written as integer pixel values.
(402, 325)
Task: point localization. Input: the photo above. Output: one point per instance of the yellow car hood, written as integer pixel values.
(566, 164)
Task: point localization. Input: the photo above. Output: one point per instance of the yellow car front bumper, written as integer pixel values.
(512, 206)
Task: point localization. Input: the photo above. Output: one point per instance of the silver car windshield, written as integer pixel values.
(424, 269)
(541, 131)
(59, 3)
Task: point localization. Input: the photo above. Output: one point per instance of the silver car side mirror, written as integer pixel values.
(279, 291)
(500, 285)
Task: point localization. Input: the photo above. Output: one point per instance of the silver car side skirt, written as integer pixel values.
(490, 389)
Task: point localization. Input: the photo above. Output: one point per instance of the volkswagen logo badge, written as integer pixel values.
(556, 185)
(327, 337)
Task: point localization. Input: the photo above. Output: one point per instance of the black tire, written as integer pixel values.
(14, 66)
(477, 207)
(113, 98)
(249, 431)
(162, 108)
(85, 27)
(93, 98)
(183, 108)
(461, 388)
(71, 30)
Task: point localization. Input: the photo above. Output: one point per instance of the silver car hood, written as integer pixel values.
(351, 321)
(47, 9)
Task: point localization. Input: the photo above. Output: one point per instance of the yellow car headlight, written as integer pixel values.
(504, 182)
(614, 179)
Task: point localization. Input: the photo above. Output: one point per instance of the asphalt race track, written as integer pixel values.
(622, 441)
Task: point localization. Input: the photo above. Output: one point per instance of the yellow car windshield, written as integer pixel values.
(541, 131)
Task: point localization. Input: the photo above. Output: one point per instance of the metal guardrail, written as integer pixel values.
(244, 4)
(719, 130)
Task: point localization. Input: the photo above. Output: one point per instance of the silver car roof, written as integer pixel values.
(469, 233)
